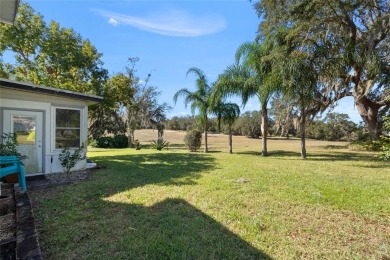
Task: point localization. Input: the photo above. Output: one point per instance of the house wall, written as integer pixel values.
(21, 100)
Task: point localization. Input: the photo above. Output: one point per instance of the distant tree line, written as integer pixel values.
(333, 127)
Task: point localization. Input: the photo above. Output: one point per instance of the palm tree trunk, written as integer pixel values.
(264, 129)
(230, 140)
(205, 135)
(302, 125)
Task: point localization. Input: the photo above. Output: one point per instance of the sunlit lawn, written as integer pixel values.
(179, 205)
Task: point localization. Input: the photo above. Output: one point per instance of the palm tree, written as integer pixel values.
(230, 112)
(251, 76)
(301, 86)
(225, 112)
(199, 99)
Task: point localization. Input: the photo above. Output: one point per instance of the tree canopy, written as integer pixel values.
(349, 42)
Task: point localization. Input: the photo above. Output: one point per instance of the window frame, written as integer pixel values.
(54, 126)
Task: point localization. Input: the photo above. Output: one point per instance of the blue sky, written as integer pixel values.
(168, 37)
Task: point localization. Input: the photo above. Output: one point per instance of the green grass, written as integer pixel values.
(173, 204)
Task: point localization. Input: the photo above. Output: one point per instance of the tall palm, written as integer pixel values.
(225, 112)
(229, 113)
(301, 86)
(251, 76)
(199, 99)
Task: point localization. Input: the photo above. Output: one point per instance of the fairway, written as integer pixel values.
(173, 204)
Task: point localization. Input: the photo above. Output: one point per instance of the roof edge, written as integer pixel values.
(24, 86)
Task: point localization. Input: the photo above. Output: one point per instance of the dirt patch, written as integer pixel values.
(58, 178)
(8, 226)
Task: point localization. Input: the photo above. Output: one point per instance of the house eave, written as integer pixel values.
(23, 86)
(8, 11)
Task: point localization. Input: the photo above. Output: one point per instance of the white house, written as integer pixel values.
(46, 120)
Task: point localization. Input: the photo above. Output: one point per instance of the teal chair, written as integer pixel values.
(13, 166)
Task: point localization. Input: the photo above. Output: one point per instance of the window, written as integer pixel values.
(67, 128)
(24, 128)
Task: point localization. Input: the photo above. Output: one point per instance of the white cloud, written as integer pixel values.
(172, 23)
(113, 21)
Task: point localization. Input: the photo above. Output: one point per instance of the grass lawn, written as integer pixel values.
(174, 204)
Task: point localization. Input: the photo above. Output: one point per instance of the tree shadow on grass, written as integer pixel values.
(177, 146)
(174, 229)
(350, 156)
(315, 156)
(97, 224)
(333, 147)
(135, 170)
(275, 153)
(249, 153)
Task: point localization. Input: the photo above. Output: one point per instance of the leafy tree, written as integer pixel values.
(317, 129)
(248, 124)
(349, 41)
(298, 74)
(199, 99)
(183, 123)
(136, 103)
(283, 111)
(144, 111)
(48, 54)
(105, 118)
(338, 127)
(24, 39)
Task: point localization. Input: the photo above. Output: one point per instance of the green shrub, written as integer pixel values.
(105, 142)
(159, 144)
(93, 143)
(193, 140)
(385, 141)
(121, 141)
(69, 160)
(9, 147)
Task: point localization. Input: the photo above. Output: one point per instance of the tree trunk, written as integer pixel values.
(302, 125)
(130, 138)
(264, 130)
(368, 111)
(205, 136)
(230, 140)
(219, 124)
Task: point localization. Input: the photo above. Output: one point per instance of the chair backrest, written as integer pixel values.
(8, 159)
(12, 165)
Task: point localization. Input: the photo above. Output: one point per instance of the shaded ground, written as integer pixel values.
(179, 205)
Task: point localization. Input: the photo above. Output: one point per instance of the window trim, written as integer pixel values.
(54, 126)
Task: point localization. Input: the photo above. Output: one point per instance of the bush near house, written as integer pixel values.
(118, 141)
(121, 141)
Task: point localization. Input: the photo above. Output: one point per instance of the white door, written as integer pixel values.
(28, 126)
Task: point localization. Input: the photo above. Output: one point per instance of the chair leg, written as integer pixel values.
(22, 179)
